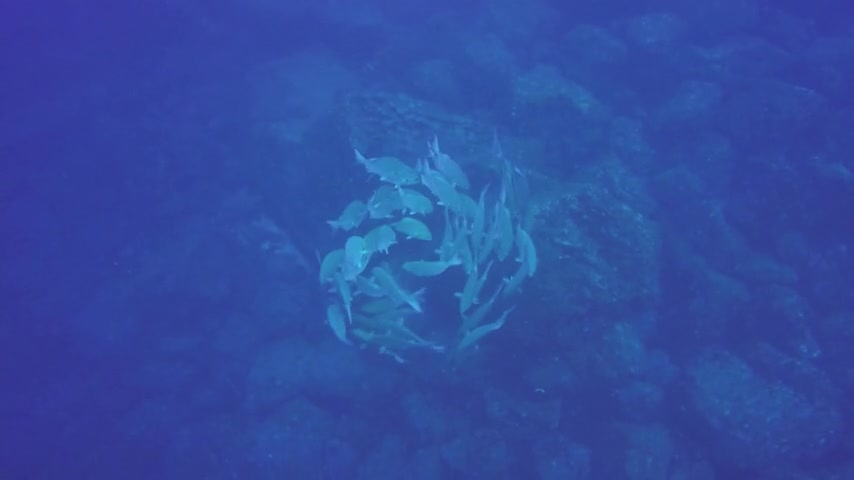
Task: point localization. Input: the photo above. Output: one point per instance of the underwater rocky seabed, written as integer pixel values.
(691, 312)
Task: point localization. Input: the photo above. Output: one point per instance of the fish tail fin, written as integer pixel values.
(360, 159)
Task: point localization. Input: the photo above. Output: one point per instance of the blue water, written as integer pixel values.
(684, 170)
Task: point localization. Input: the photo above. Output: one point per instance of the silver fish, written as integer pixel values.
(384, 202)
(527, 250)
(490, 238)
(467, 206)
(478, 224)
(367, 286)
(449, 168)
(447, 248)
(462, 248)
(380, 305)
(514, 282)
(415, 202)
(429, 268)
(380, 239)
(386, 281)
(352, 216)
(335, 320)
(505, 232)
(412, 229)
(473, 336)
(331, 265)
(441, 188)
(389, 169)
(356, 257)
(477, 315)
(346, 295)
(471, 289)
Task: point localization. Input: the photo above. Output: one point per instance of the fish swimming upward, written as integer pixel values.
(447, 166)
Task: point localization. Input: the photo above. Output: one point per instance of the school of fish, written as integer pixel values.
(390, 257)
